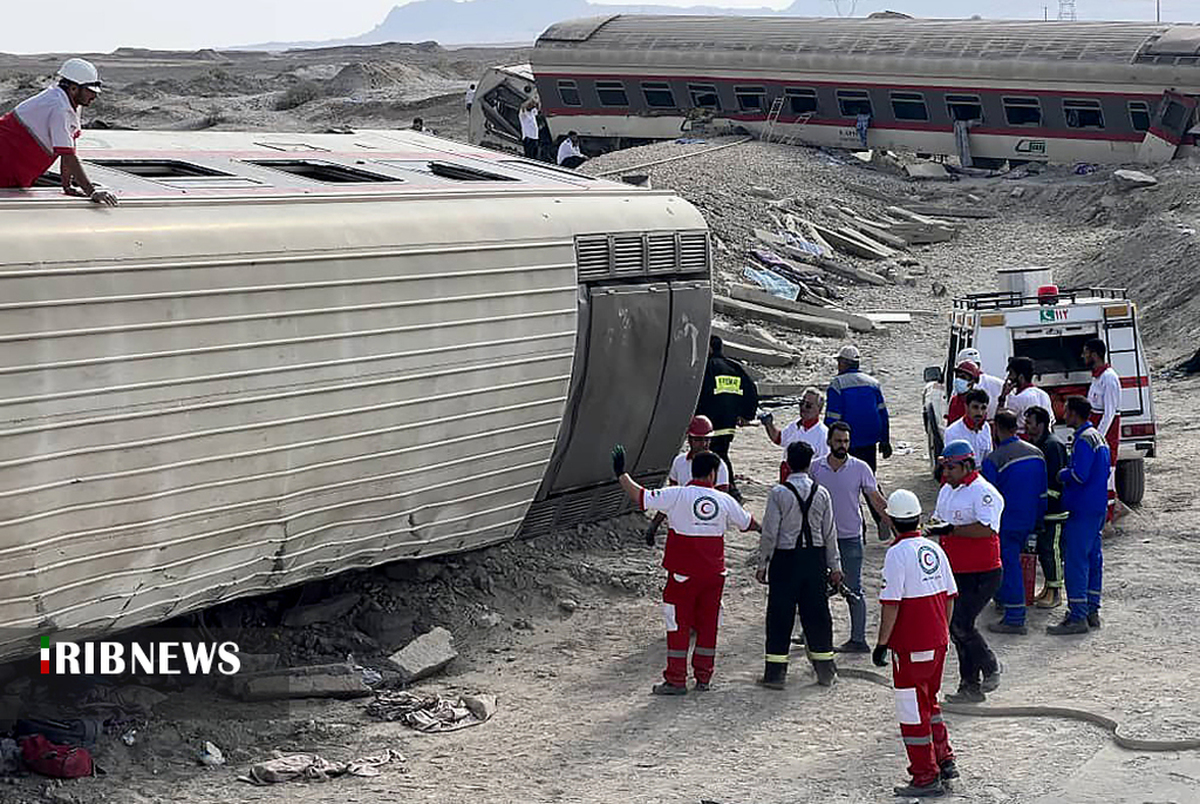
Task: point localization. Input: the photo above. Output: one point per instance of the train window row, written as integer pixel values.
(905, 105)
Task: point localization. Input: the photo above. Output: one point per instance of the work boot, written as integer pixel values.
(850, 646)
(1050, 598)
(774, 676)
(667, 688)
(912, 789)
(948, 770)
(991, 682)
(1093, 619)
(826, 672)
(967, 694)
(702, 686)
(1007, 628)
(1069, 625)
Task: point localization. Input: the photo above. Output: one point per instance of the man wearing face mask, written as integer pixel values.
(975, 377)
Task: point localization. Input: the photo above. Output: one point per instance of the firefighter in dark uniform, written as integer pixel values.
(797, 559)
(729, 398)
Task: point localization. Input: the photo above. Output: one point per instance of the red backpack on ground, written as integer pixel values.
(59, 761)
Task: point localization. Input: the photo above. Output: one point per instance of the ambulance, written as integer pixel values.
(1031, 317)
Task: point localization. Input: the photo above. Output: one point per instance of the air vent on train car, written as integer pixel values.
(693, 251)
(639, 254)
(591, 257)
(324, 172)
(661, 255)
(629, 257)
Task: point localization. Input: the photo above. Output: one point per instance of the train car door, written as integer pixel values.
(1170, 122)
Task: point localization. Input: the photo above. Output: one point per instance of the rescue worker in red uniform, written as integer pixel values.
(917, 595)
(699, 437)
(1104, 394)
(698, 515)
(44, 128)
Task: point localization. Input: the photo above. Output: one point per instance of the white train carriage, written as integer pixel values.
(286, 355)
(1020, 90)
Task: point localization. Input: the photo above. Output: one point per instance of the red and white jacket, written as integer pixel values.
(33, 135)
(918, 579)
(697, 517)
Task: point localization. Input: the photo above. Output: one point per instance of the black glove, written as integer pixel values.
(766, 418)
(618, 459)
(651, 535)
(879, 655)
(885, 449)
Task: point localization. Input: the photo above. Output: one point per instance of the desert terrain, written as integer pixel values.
(565, 630)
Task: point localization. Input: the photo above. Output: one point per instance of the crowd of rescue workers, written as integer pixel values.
(1009, 486)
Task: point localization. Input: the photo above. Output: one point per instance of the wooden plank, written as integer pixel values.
(751, 354)
(753, 295)
(801, 323)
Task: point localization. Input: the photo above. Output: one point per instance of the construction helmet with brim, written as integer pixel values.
(969, 353)
(700, 427)
(82, 72)
(903, 504)
(957, 452)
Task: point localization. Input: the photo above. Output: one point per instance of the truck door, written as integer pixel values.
(1170, 122)
(1121, 337)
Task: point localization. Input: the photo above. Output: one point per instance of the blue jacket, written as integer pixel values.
(1085, 478)
(855, 398)
(1018, 471)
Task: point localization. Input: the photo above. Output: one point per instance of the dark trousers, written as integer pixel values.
(573, 162)
(867, 455)
(531, 147)
(720, 447)
(1049, 549)
(975, 658)
(796, 582)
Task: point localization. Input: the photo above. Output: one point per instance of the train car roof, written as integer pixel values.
(990, 40)
(260, 164)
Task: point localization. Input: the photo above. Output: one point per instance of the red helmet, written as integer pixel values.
(701, 427)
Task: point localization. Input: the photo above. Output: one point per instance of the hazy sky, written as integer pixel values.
(95, 26)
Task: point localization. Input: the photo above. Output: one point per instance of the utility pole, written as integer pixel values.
(1045, 13)
(1158, 10)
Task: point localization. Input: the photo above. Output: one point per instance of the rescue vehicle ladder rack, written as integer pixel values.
(1004, 299)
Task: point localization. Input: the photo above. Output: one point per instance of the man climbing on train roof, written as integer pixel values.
(44, 128)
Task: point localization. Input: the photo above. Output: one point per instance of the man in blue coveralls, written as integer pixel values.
(1085, 497)
(1018, 471)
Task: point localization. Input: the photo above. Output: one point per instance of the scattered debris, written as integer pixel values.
(326, 611)
(1133, 180)
(937, 289)
(210, 755)
(432, 713)
(763, 192)
(801, 323)
(425, 655)
(773, 282)
(927, 171)
(315, 768)
(339, 680)
(763, 357)
(858, 323)
(568, 605)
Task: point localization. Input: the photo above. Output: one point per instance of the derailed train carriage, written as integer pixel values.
(1021, 90)
(284, 356)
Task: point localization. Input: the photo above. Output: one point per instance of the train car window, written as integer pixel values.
(909, 106)
(853, 102)
(964, 107)
(704, 96)
(750, 98)
(1083, 114)
(801, 101)
(1172, 119)
(1023, 111)
(658, 94)
(1139, 115)
(568, 92)
(611, 93)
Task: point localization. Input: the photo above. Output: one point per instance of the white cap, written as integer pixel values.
(849, 353)
(903, 504)
(971, 354)
(82, 72)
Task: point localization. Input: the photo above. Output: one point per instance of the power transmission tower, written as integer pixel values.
(1066, 10)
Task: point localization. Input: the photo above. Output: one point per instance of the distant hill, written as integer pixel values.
(499, 21)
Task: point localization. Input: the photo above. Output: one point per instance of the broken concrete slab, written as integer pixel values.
(927, 171)
(326, 611)
(751, 354)
(1133, 179)
(745, 293)
(802, 323)
(314, 681)
(390, 629)
(763, 192)
(753, 336)
(425, 655)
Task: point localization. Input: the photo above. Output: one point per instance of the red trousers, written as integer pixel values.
(917, 678)
(1113, 438)
(691, 605)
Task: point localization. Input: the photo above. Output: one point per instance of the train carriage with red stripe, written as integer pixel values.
(991, 91)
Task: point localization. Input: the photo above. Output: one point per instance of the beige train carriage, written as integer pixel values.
(287, 355)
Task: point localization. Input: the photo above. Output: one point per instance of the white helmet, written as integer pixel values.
(79, 71)
(970, 353)
(903, 504)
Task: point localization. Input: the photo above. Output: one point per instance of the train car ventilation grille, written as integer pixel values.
(631, 254)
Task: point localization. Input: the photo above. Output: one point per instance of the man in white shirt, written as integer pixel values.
(993, 385)
(1019, 393)
(528, 116)
(569, 155)
(699, 439)
(808, 428)
(44, 128)
(973, 427)
(1105, 396)
(470, 97)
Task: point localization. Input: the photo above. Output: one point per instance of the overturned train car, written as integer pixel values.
(1017, 90)
(284, 356)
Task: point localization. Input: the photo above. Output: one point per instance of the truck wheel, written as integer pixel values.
(1131, 481)
(934, 440)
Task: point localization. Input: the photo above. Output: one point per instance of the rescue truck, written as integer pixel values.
(1033, 318)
